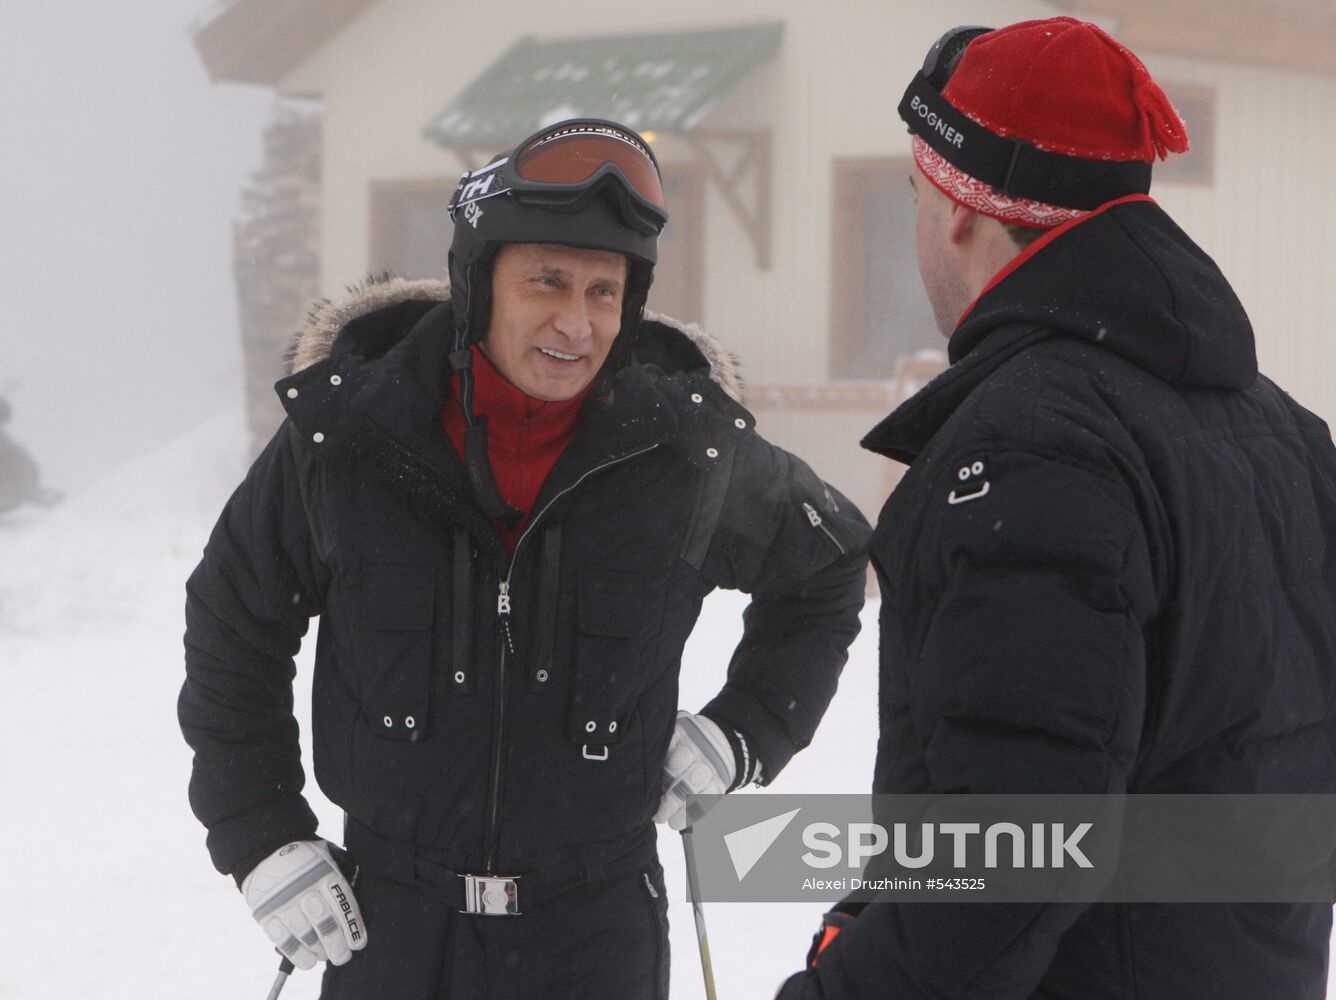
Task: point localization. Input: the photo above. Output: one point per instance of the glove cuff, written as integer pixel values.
(746, 765)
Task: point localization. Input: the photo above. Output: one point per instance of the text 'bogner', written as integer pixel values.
(1044, 845)
(936, 122)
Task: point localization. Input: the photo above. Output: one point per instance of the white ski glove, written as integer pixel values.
(305, 904)
(700, 762)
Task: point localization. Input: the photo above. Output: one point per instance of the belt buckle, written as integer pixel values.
(491, 895)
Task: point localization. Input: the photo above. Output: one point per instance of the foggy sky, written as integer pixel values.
(120, 173)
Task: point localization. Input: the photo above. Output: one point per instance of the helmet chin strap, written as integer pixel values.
(476, 458)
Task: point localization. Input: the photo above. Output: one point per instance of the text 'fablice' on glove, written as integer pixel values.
(304, 902)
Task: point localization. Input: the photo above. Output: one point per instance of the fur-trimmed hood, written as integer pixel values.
(327, 318)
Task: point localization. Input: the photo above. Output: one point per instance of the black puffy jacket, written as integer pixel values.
(441, 718)
(1111, 567)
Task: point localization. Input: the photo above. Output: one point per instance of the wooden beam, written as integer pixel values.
(1297, 35)
(261, 41)
(755, 161)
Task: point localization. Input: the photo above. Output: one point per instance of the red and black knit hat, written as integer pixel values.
(1040, 122)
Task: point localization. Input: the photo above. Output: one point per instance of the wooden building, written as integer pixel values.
(792, 227)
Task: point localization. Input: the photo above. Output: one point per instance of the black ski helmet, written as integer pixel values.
(584, 182)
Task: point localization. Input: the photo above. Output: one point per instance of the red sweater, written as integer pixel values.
(525, 436)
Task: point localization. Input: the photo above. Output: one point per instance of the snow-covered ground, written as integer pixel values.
(108, 890)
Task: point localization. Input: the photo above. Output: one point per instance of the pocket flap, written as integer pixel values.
(399, 598)
(611, 604)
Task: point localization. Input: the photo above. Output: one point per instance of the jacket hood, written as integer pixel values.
(660, 340)
(1129, 279)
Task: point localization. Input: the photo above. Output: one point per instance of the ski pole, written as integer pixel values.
(285, 968)
(693, 888)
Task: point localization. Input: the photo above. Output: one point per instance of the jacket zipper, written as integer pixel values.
(503, 613)
(815, 518)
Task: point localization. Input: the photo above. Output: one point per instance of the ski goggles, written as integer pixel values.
(563, 165)
(944, 56)
(1010, 166)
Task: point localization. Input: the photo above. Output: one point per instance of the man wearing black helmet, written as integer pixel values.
(506, 498)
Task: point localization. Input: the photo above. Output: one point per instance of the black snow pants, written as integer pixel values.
(593, 925)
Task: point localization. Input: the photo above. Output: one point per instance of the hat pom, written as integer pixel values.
(1161, 124)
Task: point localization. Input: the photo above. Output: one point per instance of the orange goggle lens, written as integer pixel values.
(574, 155)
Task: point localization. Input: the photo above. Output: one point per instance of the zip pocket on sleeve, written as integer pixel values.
(816, 521)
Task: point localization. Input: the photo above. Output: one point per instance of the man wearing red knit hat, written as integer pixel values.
(1111, 564)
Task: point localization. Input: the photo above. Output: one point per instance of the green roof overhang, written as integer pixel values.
(652, 82)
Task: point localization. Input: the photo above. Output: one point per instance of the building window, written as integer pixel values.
(879, 311)
(676, 291)
(410, 233)
(409, 227)
(1196, 106)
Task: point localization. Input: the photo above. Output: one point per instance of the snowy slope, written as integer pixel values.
(111, 892)
(94, 769)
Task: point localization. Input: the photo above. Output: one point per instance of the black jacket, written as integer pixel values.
(440, 720)
(1111, 567)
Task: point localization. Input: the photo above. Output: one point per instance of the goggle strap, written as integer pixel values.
(1011, 166)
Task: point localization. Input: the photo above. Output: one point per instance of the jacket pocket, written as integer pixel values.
(395, 649)
(609, 647)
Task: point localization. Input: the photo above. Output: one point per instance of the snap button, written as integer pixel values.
(410, 722)
(541, 675)
(317, 437)
(697, 397)
(712, 452)
(389, 723)
(336, 380)
(612, 727)
(590, 726)
(740, 424)
(459, 677)
(292, 393)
